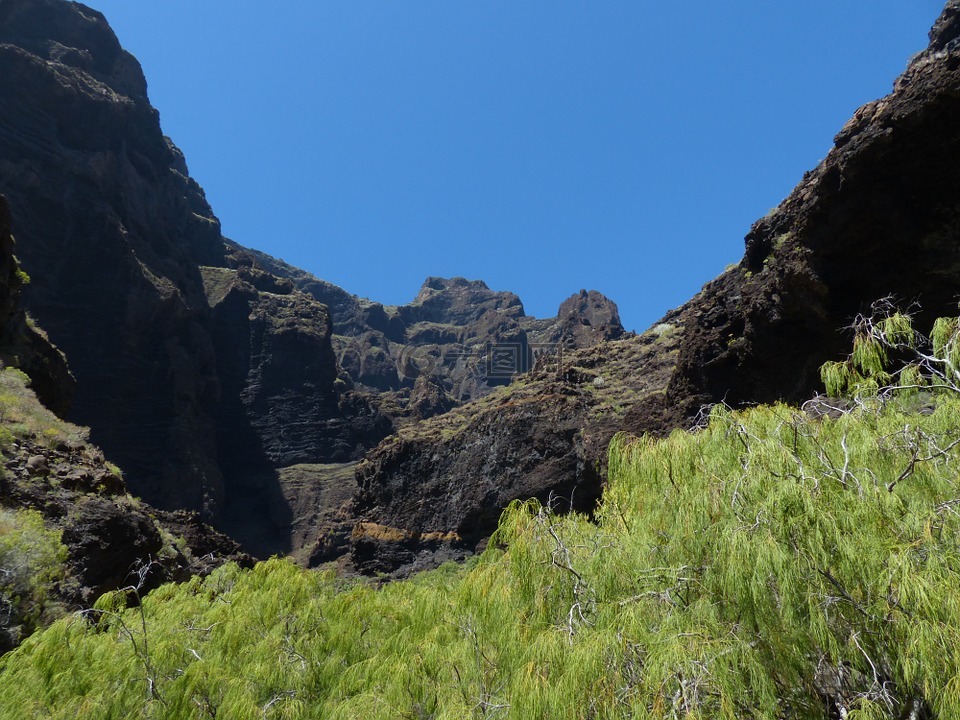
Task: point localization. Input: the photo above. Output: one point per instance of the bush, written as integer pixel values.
(31, 563)
(768, 565)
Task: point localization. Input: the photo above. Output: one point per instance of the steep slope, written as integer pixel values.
(879, 216)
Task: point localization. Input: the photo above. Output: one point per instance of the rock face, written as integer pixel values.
(23, 345)
(178, 381)
(49, 466)
(879, 216)
(439, 486)
(112, 231)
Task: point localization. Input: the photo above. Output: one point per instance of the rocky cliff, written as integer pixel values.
(128, 265)
(228, 382)
(49, 466)
(879, 216)
(221, 380)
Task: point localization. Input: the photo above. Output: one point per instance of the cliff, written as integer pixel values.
(221, 380)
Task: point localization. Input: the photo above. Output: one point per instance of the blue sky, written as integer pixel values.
(544, 147)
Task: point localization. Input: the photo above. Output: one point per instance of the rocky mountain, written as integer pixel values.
(880, 216)
(221, 380)
(304, 420)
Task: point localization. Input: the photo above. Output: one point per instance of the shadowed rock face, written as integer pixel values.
(177, 383)
(50, 467)
(439, 486)
(112, 231)
(22, 345)
(879, 216)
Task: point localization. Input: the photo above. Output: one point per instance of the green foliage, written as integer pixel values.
(765, 566)
(31, 562)
(888, 354)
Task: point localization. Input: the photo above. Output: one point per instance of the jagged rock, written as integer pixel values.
(109, 535)
(429, 398)
(586, 319)
(446, 333)
(879, 216)
(439, 486)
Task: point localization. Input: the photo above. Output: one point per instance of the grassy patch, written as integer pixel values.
(23, 416)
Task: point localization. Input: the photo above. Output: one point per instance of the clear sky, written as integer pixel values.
(618, 145)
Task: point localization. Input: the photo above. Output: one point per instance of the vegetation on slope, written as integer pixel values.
(770, 564)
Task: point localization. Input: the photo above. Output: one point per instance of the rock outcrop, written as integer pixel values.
(879, 216)
(438, 487)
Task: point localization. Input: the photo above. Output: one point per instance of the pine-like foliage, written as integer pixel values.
(769, 565)
(31, 563)
(766, 566)
(889, 354)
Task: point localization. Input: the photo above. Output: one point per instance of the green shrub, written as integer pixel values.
(31, 563)
(766, 566)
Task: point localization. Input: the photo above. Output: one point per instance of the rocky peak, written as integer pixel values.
(74, 36)
(947, 27)
(587, 318)
(458, 301)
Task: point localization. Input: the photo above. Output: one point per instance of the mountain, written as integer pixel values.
(304, 420)
(221, 380)
(880, 216)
